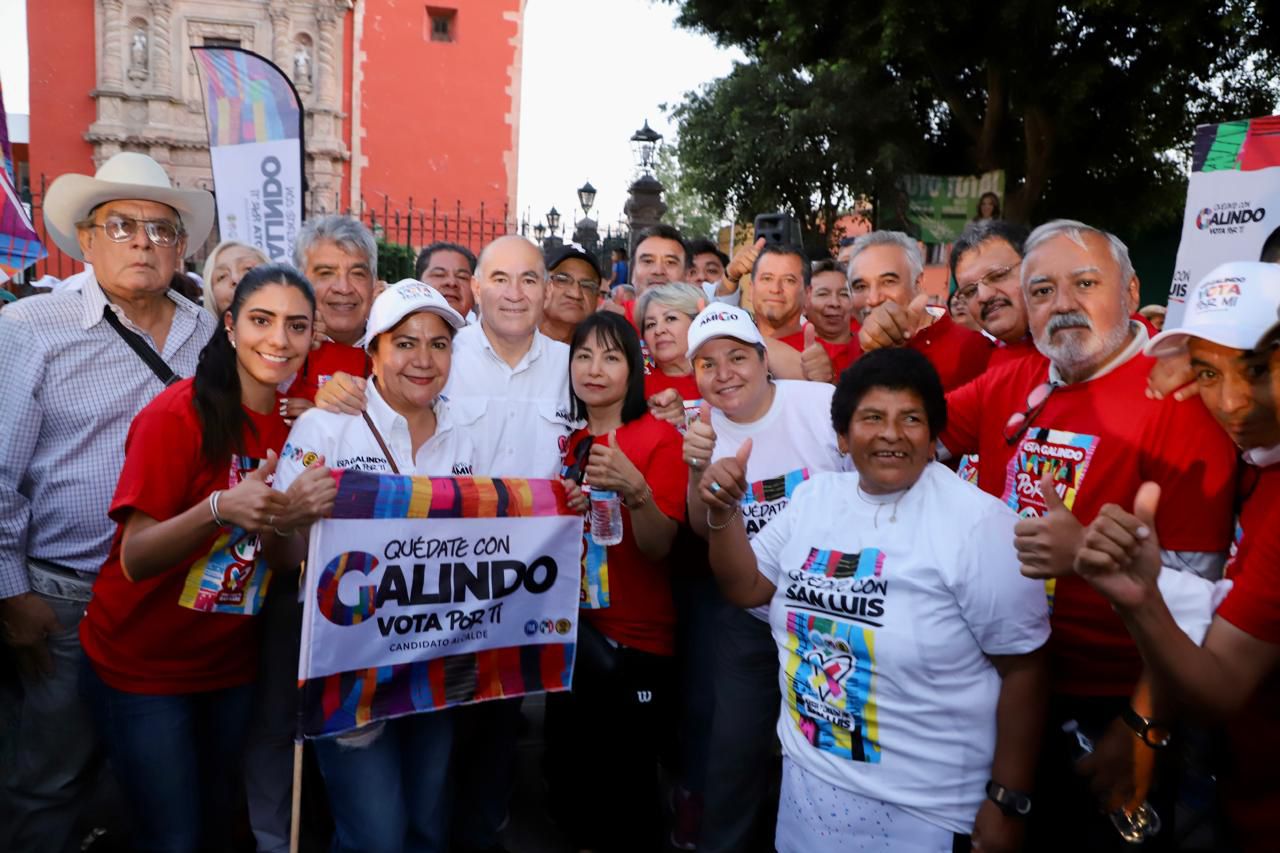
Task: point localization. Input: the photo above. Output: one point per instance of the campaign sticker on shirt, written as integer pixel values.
(1067, 455)
(764, 499)
(230, 578)
(834, 602)
(968, 468)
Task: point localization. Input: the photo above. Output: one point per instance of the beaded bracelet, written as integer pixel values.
(727, 521)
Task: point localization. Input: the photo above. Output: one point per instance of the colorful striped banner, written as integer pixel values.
(365, 495)
(348, 700)
(422, 593)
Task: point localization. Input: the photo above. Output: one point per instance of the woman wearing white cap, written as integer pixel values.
(386, 783)
(788, 426)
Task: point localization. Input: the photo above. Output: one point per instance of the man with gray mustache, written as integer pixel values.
(1057, 438)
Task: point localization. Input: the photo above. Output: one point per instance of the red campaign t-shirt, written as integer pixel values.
(958, 354)
(1252, 793)
(1106, 438)
(323, 362)
(686, 386)
(841, 355)
(138, 636)
(1003, 354)
(626, 595)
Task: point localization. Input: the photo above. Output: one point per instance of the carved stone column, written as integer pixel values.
(281, 55)
(327, 59)
(161, 35)
(112, 44)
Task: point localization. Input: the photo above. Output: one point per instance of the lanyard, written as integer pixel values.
(386, 451)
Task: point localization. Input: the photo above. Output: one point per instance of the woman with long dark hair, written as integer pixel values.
(171, 648)
(608, 795)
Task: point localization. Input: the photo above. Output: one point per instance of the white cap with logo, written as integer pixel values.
(719, 320)
(405, 297)
(1233, 306)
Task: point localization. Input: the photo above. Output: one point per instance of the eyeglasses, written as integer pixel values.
(1020, 422)
(565, 281)
(970, 290)
(440, 274)
(161, 232)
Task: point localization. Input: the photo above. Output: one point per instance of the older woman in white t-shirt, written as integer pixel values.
(913, 684)
(787, 423)
(387, 782)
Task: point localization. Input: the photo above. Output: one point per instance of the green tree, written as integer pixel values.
(687, 209)
(769, 137)
(1088, 106)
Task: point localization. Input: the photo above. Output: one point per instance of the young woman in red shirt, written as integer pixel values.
(171, 648)
(606, 785)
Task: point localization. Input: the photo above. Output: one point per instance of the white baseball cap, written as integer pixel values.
(719, 320)
(405, 297)
(1234, 306)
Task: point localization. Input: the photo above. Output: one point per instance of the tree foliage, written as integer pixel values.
(1088, 106)
(769, 137)
(687, 209)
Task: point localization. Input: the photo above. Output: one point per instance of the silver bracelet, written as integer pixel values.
(213, 509)
(727, 522)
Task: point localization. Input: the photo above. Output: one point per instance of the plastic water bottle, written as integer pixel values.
(606, 517)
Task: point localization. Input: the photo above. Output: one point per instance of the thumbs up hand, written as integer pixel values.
(1120, 554)
(1047, 545)
(310, 496)
(609, 468)
(252, 504)
(725, 481)
(814, 360)
(699, 442)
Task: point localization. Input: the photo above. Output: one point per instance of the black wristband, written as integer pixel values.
(1154, 734)
(1012, 803)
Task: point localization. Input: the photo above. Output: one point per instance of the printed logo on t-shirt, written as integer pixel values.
(766, 498)
(968, 468)
(1229, 570)
(833, 602)
(1067, 455)
(229, 579)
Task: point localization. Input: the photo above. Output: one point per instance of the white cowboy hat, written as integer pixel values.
(125, 176)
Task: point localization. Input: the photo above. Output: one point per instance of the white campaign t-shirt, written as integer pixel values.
(883, 627)
(345, 441)
(791, 443)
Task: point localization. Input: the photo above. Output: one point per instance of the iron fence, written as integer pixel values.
(411, 228)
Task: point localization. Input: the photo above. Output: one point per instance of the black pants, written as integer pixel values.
(603, 740)
(1066, 816)
(743, 769)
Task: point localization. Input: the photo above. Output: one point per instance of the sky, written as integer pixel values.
(594, 72)
(580, 105)
(13, 54)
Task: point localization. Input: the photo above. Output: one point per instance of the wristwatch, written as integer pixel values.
(1154, 734)
(1012, 803)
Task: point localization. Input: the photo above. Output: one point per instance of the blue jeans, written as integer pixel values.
(391, 794)
(177, 758)
(54, 762)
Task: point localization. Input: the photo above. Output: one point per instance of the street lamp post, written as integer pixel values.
(645, 206)
(553, 230)
(586, 233)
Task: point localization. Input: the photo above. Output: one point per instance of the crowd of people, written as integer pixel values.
(1073, 599)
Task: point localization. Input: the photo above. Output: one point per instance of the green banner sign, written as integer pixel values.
(935, 208)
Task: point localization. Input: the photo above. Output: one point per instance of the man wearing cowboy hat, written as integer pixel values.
(78, 366)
